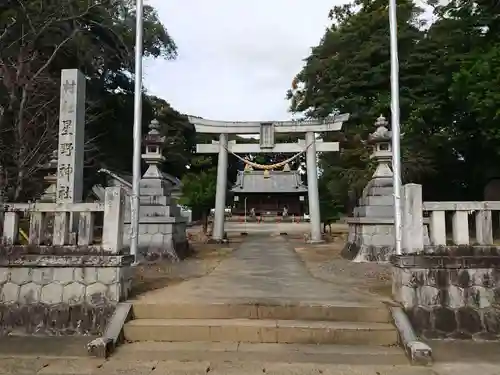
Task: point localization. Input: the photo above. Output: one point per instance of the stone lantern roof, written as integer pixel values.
(153, 156)
(382, 148)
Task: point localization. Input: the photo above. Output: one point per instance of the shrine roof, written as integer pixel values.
(277, 182)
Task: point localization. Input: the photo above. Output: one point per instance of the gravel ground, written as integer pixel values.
(159, 275)
(325, 262)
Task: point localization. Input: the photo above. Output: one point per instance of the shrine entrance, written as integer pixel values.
(310, 146)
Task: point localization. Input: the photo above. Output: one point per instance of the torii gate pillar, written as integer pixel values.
(312, 188)
(220, 195)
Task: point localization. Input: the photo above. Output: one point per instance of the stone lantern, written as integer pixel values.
(153, 143)
(162, 228)
(50, 168)
(382, 148)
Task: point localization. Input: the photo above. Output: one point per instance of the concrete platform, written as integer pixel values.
(352, 311)
(287, 353)
(261, 331)
(44, 346)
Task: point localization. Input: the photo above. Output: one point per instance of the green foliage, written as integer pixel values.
(449, 78)
(37, 40)
(199, 186)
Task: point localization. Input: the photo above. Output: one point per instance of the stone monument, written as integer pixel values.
(162, 230)
(71, 140)
(371, 231)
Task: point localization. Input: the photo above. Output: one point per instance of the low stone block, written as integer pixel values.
(491, 318)
(445, 320)
(421, 318)
(377, 201)
(427, 296)
(9, 293)
(419, 353)
(43, 276)
(374, 211)
(108, 275)
(455, 297)
(64, 275)
(96, 294)
(100, 347)
(74, 293)
(86, 275)
(30, 293)
(21, 275)
(52, 293)
(469, 320)
(4, 275)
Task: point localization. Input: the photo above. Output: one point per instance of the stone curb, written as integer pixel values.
(97, 260)
(417, 352)
(103, 346)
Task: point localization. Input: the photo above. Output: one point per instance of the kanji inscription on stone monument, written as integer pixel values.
(71, 137)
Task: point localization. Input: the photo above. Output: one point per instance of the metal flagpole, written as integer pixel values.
(396, 133)
(136, 168)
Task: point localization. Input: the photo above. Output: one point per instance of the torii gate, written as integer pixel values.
(267, 145)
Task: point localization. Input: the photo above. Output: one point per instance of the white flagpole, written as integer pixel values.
(136, 167)
(396, 133)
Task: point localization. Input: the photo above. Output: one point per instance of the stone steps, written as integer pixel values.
(283, 311)
(261, 331)
(285, 353)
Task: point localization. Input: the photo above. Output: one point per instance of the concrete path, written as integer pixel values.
(263, 269)
(53, 366)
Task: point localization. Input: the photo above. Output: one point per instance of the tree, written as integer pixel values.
(199, 188)
(37, 40)
(349, 71)
(448, 90)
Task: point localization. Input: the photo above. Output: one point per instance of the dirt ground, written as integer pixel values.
(324, 261)
(206, 257)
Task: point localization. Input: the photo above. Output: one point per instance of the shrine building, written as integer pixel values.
(269, 192)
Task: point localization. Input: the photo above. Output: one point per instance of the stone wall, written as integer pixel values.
(450, 296)
(61, 294)
(369, 240)
(160, 238)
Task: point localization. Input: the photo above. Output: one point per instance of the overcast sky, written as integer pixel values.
(236, 58)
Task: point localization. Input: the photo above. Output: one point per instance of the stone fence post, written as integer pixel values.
(114, 210)
(413, 219)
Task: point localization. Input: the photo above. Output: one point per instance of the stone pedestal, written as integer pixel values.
(371, 230)
(162, 228)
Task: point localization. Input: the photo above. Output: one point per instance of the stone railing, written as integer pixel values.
(64, 283)
(63, 214)
(460, 221)
(448, 290)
